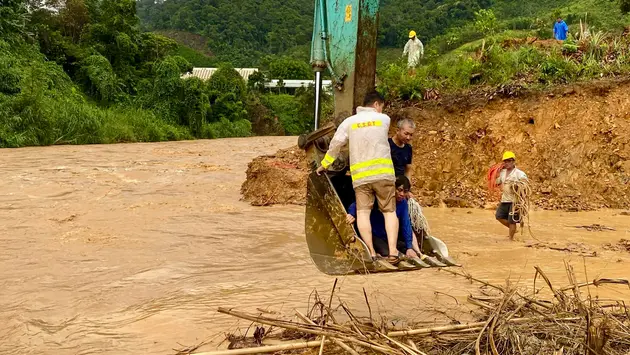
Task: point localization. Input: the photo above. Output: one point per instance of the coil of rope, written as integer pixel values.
(493, 175)
(418, 220)
(520, 208)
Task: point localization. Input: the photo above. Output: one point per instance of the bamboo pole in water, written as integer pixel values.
(470, 326)
(266, 349)
(343, 345)
(306, 329)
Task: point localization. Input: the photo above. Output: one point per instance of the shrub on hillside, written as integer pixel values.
(287, 110)
(98, 79)
(226, 92)
(227, 129)
(196, 58)
(9, 76)
(289, 69)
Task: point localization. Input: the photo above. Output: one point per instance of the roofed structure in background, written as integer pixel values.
(206, 73)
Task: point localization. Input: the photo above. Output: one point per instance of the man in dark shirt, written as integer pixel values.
(400, 147)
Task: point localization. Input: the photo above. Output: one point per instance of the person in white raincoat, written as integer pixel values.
(414, 49)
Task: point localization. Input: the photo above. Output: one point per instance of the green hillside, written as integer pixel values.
(93, 71)
(86, 73)
(244, 32)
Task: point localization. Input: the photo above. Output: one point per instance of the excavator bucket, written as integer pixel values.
(344, 45)
(334, 244)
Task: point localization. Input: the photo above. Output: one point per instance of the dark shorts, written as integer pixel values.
(381, 247)
(503, 212)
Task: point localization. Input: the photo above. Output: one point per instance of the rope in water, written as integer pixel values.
(418, 220)
(520, 208)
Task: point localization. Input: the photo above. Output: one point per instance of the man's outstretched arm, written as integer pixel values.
(340, 139)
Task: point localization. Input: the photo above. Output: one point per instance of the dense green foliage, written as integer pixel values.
(244, 32)
(238, 31)
(510, 63)
(295, 113)
(87, 74)
(194, 57)
(39, 105)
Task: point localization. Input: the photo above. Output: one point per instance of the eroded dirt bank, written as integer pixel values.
(574, 143)
(130, 249)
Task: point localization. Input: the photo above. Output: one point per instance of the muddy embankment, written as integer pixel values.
(573, 142)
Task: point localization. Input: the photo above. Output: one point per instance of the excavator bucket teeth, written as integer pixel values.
(419, 263)
(433, 261)
(448, 260)
(404, 265)
(382, 265)
(435, 247)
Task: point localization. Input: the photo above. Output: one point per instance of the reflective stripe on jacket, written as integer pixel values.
(370, 157)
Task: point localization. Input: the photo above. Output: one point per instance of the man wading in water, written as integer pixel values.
(508, 176)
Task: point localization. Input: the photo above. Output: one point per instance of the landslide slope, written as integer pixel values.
(573, 142)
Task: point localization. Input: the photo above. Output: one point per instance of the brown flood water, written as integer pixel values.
(127, 249)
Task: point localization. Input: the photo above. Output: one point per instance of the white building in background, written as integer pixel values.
(294, 84)
(206, 73)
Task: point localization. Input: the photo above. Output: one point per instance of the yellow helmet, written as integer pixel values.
(412, 34)
(509, 155)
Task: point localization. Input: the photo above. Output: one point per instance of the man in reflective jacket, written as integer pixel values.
(371, 167)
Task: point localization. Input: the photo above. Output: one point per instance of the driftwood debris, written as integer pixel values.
(511, 321)
(596, 228)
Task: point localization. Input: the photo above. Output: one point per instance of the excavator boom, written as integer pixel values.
(344, 44)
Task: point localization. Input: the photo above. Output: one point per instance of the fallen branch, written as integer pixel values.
(337, 341)
(598, 282)
(266, 349)
(512, 323)
(303, 328)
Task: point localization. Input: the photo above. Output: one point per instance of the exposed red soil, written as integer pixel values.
(277, 179)
(573, 143)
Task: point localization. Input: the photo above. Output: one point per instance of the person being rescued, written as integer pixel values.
(402, 156)
(407, 243)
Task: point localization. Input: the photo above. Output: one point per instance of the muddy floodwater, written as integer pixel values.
(130, 249)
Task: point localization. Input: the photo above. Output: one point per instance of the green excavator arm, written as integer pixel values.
(343, 46)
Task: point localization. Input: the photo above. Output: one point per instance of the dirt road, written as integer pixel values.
(131, 248)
